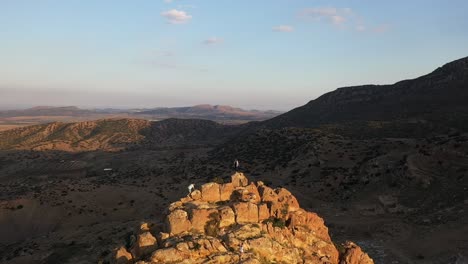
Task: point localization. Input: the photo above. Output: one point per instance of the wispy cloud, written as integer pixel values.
(283, 28)
(343, 18)
(332, 15)
(175, 16)
(213, 41)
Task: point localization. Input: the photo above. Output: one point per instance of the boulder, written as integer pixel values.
(252, 192)
(246, 212)
(239, 180)
(196, 195)
(226, 191)
(200, 216)
(122, 256)
(227, 216)
(267, 194)
(178, 222)
(263, 212)
(210, 192)
(354, 255)
(145, 244)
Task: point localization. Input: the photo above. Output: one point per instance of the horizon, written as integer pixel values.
(169, 53)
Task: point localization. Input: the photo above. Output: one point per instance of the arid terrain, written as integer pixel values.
(384, 166)
(45, 114)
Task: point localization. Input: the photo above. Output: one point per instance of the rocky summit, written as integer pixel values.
(237, 222)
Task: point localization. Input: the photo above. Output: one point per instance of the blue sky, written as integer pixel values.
(264, 54)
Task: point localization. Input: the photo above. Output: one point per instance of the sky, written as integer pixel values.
(255, 54)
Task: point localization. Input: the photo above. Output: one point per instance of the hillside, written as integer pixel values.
(439, 97)
(115, 134)
(211, 224)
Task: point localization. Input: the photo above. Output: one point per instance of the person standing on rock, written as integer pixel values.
(236, 164)
(190, 188)
(241, 250)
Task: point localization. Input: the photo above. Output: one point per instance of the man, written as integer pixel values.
(236, 164)
(190, 188)
(241, 250)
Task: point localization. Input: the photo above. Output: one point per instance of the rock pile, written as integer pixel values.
(212, 224)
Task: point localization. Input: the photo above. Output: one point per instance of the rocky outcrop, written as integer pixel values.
(209, 227)
(354, 255)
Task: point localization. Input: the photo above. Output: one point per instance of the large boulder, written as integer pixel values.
(210, 192)
(200, 217)
(267, 194)
(178, 222)
(122, 256)
(246, 212)
(226, 191)
(239, 180)
(252, 192)
(145, 244)
(227, 216)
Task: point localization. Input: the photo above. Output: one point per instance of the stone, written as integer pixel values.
(227, 216)
(178, 222)
(122, 256)
(168, 255)
(200, 216)
(196, 195)
(267, 194)
(252, 192)
(354, 255)
(239, 180)
(210, 192)
(263, 212)
(145, 244)
(226, 191)
(246, 212)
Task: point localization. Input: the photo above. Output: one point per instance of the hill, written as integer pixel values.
(439, 97)
(115, 134)
(237, 222)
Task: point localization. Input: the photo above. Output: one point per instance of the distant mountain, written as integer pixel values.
(440, 97)
(211, 112)
(47, 111)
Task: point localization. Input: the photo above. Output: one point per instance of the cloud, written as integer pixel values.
(381, 28)
(175, 16)
(283, 28)
(213, 41)
(343, 18)
(332, 15)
